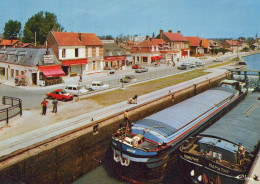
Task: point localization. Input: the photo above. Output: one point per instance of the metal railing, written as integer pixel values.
(14, 109)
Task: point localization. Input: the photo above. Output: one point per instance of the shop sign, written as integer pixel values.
(48, 59)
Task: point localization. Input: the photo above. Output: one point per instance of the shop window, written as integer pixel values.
(76, 52)
(63, 53)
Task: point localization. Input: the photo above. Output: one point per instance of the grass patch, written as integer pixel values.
(119, 95)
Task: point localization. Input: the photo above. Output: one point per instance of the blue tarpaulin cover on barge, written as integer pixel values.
(184, 112)
(245, 115)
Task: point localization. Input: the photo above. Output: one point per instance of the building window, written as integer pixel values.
(89, 52)
(63, 53)
(16, 72)
(97, 51)
(76, 52)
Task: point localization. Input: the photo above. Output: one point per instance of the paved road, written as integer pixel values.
(32, 96)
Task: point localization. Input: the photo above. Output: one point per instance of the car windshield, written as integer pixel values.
(63, 92)
(79, 87)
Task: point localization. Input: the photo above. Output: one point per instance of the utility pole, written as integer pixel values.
(35, 38)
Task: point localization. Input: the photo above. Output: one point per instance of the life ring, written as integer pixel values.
(116, 157)
(125, 161)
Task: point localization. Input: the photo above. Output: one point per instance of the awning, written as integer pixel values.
(156, 57)
(74, 62)
(114, 58)
(51, 70)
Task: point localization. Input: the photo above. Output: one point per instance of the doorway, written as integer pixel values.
(34, 78)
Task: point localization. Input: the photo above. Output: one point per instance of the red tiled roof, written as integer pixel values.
(194, 40)
(9, 42)
(158, 41)
(146, 43)
(73, 39)
(178, 37)
(234, 42)
(205, 43)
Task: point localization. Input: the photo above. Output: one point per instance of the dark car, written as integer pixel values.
(60, 94)
(141, 70)
(128, 78)
(136, 66)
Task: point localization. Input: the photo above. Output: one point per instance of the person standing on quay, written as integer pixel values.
(55, 104)
(44, 106)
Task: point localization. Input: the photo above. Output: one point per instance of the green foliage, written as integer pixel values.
(106, 37)
(216, 51)
(12, 29)
(40, 24)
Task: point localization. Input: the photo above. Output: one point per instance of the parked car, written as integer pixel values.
(60, 94)
(191, 65)
(97, 85)
(128, 78)
(76, 90)
(183, 66)
(199, 63)
(218, 60)
(135, 66)
(141, 69)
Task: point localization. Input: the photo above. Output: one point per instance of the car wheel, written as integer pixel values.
(63, 99)
(49, 97)
(90, 89)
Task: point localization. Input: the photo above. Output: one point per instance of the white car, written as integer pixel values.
(97, 85)
(76, 90)
(218, 60)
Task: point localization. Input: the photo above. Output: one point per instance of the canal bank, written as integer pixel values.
(67, 150)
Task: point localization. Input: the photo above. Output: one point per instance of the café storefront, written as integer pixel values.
(115, 62)
(50, 75)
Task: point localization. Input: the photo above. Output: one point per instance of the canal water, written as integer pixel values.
(101, 176)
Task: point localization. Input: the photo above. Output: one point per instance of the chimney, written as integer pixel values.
(79, 36)
(161, 31)
(170, 31)
(147, 37)
(179, 31)
(161, 34)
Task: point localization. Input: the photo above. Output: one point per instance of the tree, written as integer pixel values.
(40, 25)
(12, 29)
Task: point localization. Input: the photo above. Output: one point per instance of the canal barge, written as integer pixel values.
(142, 150)
(223, 153)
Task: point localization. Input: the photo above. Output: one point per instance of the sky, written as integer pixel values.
(203, 18)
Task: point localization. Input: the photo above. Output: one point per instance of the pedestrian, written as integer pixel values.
(55, 104)
(135, 99)
(44, 106)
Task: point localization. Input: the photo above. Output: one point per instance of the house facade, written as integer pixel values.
(146, 53)
(38, 65)
(195, 45)
(79, 53)
(114, 55)
(233, 45)
(178, 44)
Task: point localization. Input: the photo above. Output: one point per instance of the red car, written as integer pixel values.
(60, 94)
(136, 66)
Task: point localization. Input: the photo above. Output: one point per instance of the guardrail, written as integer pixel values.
(14, 109)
